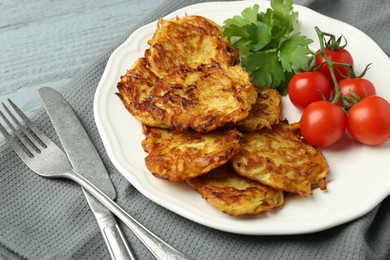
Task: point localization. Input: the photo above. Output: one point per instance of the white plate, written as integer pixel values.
(359, 176)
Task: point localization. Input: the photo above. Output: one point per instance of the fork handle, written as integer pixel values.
(159, 248)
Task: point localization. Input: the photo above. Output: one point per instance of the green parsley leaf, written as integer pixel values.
(248, 16)
(294, 52)
(266, 70)
(259, 36)
(268, 46)
(281, 15)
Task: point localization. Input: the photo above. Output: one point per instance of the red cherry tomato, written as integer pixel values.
(340, 55)
(307, 87)
(322, 124)
(360, 86)
(369, 121)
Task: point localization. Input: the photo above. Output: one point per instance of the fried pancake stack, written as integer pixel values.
(188, 78)
(206, 124)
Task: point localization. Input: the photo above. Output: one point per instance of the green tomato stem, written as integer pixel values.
(330, 63)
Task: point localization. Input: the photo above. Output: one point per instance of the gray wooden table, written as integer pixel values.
(44, 43)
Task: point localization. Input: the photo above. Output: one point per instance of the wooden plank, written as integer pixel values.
(44, 43)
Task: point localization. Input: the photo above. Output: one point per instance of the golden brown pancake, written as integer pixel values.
(235, 195)
(281, 159)
(264, 113)
(191, 41)
(134, 90)
(180, 156)
(202, 99)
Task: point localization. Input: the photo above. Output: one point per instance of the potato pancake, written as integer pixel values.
(235, 195)
(191, 41)
(265, 112)
(180, 156)
(134, 89)
(281, 159)
(203, 99)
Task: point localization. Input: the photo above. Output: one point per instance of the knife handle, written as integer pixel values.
(114, 238)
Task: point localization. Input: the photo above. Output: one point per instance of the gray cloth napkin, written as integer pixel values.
(50, 218)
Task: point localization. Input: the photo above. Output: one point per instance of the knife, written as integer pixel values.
(84, 158)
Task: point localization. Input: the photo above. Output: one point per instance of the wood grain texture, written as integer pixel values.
(44, 43)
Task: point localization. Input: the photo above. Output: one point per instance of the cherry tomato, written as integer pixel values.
(307, 87)
(340, 55)
(369, 121)
(360, 86)
(323, 123)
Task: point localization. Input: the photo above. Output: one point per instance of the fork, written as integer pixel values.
(46, 159)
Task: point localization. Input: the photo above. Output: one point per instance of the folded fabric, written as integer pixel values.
(50, 218)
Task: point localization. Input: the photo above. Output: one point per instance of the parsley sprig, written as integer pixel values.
(269, 47)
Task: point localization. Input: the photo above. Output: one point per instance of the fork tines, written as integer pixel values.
(26, 137)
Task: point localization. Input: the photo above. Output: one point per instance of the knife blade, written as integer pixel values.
(85, 159)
